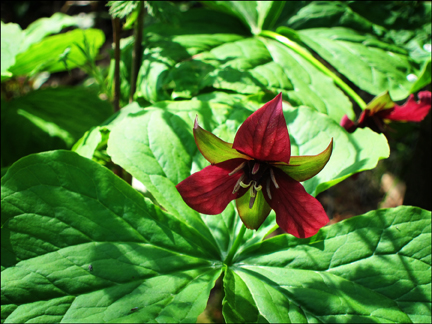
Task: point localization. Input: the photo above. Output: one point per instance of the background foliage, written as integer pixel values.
(79, 244)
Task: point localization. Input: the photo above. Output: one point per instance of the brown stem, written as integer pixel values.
(116, 34)
(116, 102)
(137, 51)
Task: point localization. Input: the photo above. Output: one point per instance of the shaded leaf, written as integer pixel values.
(120, 9)
(424, 79)
(43, 27)
(183, 62)
(372, 65)
(11, 39)
(406, 24)
(51, 53)
(174, 155)
(98, 136)
(48, 119)
(310, 134)
(373, 267)
(61, 214)
(257, 15)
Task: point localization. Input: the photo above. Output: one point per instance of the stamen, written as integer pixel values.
(237, 185)
(268, 188)
(253, 196)
(255, 168)
(251, 202)
(272, 176)
(245, 185)
(237, 169)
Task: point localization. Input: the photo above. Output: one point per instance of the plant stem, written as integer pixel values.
(116, 35)
(274, 228)
(305, 54)
(137, 51)
(235, 246)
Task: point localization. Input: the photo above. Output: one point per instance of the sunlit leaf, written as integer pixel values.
(80, 245)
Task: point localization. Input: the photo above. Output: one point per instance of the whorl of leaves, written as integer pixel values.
(163, 10)
(120, 9)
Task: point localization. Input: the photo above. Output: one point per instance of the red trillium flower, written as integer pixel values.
(382, 109)
(258, 171)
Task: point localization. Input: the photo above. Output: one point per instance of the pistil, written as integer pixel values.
(252, 176)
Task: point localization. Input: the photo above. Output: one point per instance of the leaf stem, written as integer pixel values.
(235, 246)
(305, 54)
(274, 228)
(137, 50)
(116, 35)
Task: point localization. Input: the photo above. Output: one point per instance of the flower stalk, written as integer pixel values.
(306, 55)
(235, 246)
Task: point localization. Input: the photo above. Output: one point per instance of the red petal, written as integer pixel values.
(297, 212)
(348, 124)
(210, 190)
(264, 134)
(411, 110)
(364, 118)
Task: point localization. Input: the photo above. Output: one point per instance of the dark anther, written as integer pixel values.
(237, 185)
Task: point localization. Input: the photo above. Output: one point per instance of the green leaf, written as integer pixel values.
(310, 132)
(88, 144)
(372, 65)
(424, 79)
(11, 39)
(333, 14)
(226, 227)
(48, 119)
(181, 63)
(98, 136)
(199, 30)
(257, 15)
(156, 147)
(58, 53)
(406, 24)
(120, 9)
(80, 245)
(373, 267)
(163, 10)
(43, 27)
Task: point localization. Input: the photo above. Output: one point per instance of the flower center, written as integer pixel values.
(255, 175)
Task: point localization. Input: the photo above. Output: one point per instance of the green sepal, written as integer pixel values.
(213, 148)
(302, 168)
(253, 217)
(380, 102)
